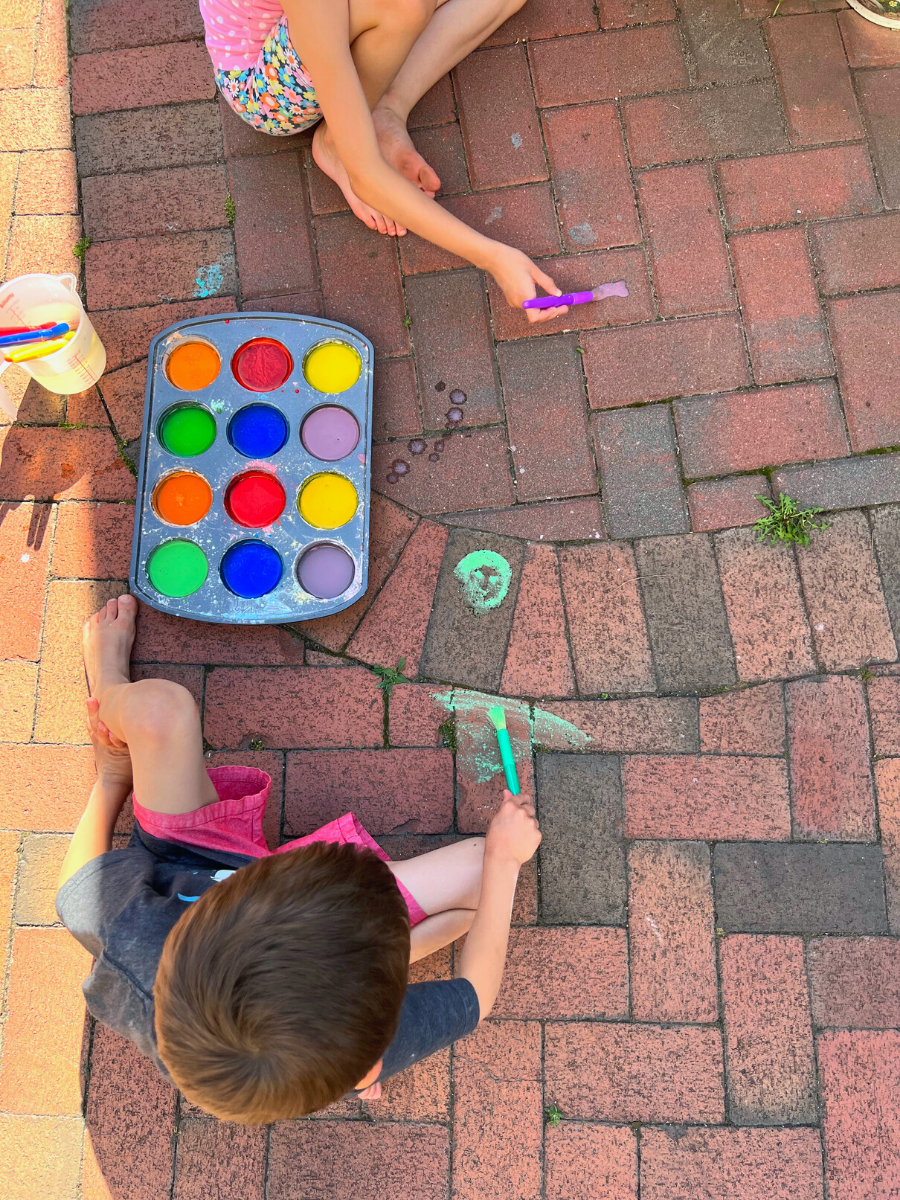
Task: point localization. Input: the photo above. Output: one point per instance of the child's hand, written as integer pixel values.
(517, 274)
(514, 831)
(111, 755)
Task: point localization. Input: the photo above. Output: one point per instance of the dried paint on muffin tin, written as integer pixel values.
(253, 483)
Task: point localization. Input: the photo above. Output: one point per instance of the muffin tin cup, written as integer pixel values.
(290, 535)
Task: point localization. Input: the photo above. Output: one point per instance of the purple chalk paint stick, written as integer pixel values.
(601, 292)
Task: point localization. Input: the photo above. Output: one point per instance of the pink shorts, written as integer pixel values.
(235, 824)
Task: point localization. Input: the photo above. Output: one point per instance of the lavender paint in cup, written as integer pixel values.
(330, 433)
(326, 571)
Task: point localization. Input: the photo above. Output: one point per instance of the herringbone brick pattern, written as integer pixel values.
(704, 974)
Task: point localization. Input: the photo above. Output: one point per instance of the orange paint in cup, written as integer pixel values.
(192, 365)
(183, 498)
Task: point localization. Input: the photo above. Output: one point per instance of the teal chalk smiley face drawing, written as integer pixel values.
(484, 578)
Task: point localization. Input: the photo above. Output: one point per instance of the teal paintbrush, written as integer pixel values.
(497, 717)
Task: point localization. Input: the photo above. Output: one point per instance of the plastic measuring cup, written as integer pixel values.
(31, 300)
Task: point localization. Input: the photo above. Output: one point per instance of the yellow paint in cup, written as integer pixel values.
(328, 501)
(332, 367)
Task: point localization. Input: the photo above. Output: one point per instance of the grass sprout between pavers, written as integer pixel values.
(388, 676)
(786, 522)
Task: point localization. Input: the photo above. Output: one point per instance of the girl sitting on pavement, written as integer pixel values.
(357, 67)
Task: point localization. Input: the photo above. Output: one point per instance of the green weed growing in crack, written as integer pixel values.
(229, 210)
(553, 1114)
(447, 730)
(865, 674)
(388, 676)
(257, 744)
(786, 522)
(81, 247)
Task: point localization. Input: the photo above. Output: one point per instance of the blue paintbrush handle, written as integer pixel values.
(34, 335)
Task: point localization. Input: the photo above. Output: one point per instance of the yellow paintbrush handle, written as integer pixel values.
(41, 350)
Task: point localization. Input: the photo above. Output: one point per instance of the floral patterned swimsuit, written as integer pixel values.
(275, 94)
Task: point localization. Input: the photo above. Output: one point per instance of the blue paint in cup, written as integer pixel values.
(258, 430)
(251, 569)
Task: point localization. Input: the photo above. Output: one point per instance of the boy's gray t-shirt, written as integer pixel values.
(122, 906)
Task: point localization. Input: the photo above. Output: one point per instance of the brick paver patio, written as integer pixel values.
(703, 978)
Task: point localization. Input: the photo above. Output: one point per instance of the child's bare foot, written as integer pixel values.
(107, 638)
(398, 150)
(111, 755)
(328, 161)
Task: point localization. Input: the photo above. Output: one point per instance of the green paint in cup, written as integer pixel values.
(188, 430)
(177, 568)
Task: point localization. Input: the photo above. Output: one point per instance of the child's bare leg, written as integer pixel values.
(457, 28)
(400, 51)
(382, 33)
(447, 884)
(158, 719)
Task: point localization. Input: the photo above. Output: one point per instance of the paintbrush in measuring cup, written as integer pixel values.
(601, 292)
(497, 718)
(41, 334)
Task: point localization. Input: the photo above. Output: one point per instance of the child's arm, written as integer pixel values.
(438, 931)
(512, 839)
(320, 31)
(93, 836)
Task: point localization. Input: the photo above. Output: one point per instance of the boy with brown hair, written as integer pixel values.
(266, 985)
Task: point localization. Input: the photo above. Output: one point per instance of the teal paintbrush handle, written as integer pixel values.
(509, 763)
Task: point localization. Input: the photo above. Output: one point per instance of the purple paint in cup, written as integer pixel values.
(330, 433)
(326, 571)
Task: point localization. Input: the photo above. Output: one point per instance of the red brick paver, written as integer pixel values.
(768, 1031)
(859, 1072)
(670, 922)
(739, 1163)
(614, 1072)
(710, 798)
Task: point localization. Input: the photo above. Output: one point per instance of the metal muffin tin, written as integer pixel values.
(293, 465)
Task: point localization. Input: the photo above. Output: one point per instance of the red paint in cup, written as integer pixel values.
(262, 365)
(255, 499)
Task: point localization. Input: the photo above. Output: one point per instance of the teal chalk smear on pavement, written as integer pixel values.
(484, 577)
(477, 752)
(208, 282)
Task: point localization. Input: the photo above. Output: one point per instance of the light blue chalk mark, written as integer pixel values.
(583, 234)
(516, 140)
(209, 281)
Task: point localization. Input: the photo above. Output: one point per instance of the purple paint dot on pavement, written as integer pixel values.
(439, 446)
(455, 414)
(458, 397)
(330, 433)
(433, 457)
(392, 478)
(417, 446)
(326, 571)
(400, 467)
